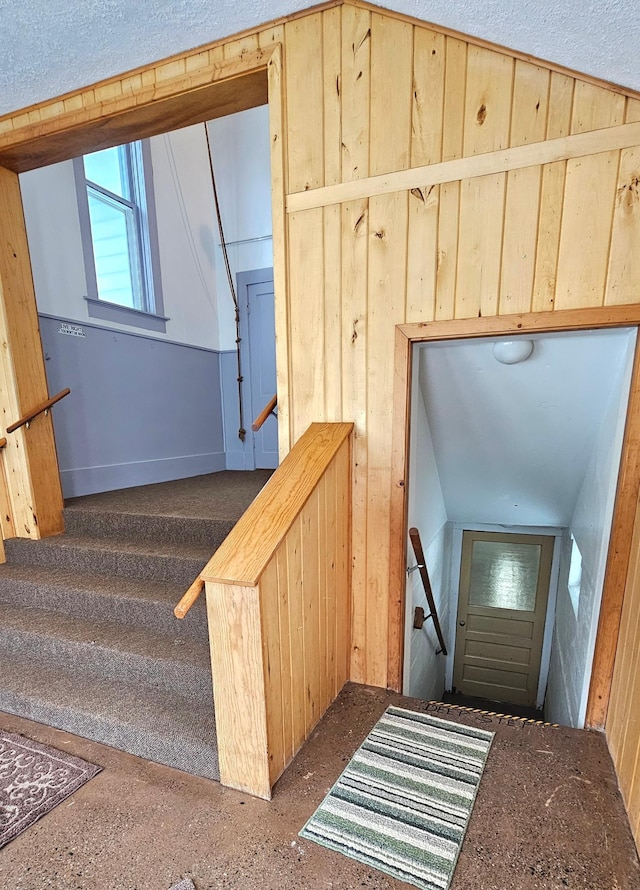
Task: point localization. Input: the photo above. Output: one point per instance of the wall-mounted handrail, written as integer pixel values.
(26, 419)
(416, 543)
(268, 409)
(189, 598)
(3, 442)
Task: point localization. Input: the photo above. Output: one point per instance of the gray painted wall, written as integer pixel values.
(141, 410)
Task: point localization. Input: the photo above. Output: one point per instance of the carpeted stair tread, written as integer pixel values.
(109, 649)
(169, 562)
(102, 597)
(160, 726)
(146, 528)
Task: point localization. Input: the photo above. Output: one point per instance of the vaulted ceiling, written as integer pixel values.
(49, 48)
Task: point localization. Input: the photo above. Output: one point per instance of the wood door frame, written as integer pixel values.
(628, 488)
(190, 88)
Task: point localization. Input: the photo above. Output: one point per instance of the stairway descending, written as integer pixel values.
(88, 640)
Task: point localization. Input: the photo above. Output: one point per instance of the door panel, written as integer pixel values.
(504, 588)
(262, 345)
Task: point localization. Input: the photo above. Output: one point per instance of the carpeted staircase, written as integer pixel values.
(88, 639)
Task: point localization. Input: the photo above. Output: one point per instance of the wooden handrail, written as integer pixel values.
(268, 409)
(189, 598)
(3, 442)
(43, 406)
(414, 534)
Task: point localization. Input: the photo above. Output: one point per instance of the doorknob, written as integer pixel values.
(462, 623)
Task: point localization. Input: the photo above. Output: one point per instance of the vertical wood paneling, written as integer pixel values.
(311, 610)
(551, 197)
(588, 204)
(236, 652)
(332, 80)
(329, 597)
(355, 85)
(293, 546)
(391, 90)
(274, 680)
(343, 524)
(426, 148)
(622, 276)
(307, 318)
(452, 138)
(305, 103)
(286, 661)
(356, 102)
(355, 236)
(487, 120)
(528, 124)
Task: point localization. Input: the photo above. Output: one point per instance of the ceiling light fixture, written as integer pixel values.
(512, 352)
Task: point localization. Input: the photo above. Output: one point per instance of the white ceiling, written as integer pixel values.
(512, 442)
(50, 47)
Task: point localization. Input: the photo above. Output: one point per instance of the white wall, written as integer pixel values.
(574, 634)
(186, 233)
(423, 669)
(240, 149)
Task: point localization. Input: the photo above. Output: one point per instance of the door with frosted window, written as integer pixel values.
(504, 588)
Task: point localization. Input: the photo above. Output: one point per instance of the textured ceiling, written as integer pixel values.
(49, 48)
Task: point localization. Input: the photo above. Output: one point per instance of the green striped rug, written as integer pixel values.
(403, 803)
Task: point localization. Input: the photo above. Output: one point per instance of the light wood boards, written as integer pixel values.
(519, 157)
(280, 642)
(30, 461)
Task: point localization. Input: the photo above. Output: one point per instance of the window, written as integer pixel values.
(119, 236)
(575, 576)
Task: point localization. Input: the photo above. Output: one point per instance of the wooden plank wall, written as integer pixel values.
(367, 92)
(278, 597)
(388, 94)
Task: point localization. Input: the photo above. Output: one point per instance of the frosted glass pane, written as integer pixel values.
(504, 576)
(108, 169)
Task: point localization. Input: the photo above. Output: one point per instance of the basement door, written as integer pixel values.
(504, 588)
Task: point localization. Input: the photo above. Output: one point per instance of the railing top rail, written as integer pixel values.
(43, 406)
(416, 543)
(266, 412)
(245, 553)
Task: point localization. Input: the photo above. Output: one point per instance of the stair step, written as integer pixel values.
(160, 726)
(122, 559)
(146, 528)
(133, 601)
(102, 649)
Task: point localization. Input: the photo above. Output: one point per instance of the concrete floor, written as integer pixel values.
(548, 816)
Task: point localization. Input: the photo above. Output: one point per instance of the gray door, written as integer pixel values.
(258, 350)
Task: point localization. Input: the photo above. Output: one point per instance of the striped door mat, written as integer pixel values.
(403, 803)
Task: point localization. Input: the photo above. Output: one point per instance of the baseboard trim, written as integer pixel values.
(91, 480)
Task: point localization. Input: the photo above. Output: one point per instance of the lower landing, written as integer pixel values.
(548, 816)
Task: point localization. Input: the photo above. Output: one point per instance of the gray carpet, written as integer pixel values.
(33, 780)
(88, 640)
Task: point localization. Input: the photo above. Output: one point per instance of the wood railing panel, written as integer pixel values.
(295, 650)
(239, 687)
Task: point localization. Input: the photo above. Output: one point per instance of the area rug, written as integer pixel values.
(403, 803)
(33, 780)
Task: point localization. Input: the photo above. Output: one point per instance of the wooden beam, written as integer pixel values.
(228, 87)
(31, 465)
(492, 162)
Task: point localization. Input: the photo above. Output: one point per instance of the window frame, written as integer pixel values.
(151, 315)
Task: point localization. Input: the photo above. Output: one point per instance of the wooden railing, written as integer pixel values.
(416, 543)
(279, 607)
(26, 419)
(189, 598)
(267, 411)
